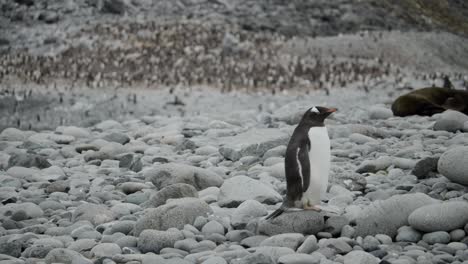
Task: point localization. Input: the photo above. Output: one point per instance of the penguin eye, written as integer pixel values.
(315, 110)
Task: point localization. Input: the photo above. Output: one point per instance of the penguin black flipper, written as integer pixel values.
(304, 166)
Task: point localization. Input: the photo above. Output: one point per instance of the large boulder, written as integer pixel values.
(304, 222)
(174, 191)
(452, 164)
(166, 174)
(241, 188)
(176, 213)
(445, 216)
(254, 142)
(451, 121)
(386, 216)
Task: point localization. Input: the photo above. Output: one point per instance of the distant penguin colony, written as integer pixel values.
(307, 162)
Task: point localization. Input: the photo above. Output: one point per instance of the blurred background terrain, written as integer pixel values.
(82, 61)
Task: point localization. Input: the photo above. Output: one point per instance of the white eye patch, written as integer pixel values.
(314, 110)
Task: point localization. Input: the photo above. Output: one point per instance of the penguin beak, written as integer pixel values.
(331, 110)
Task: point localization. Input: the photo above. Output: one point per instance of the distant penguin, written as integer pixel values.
(307, 162)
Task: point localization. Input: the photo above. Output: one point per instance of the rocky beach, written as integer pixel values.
(155, 132)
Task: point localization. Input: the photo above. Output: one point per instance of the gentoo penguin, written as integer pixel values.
(307, 162)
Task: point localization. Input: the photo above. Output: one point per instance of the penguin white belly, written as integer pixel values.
(319, 158)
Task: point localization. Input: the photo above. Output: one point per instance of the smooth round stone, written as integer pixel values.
(458, 246)
(309, 245)
(384, 239)
(370, 243)
(408, 234)
(339, 246)
(213, 227)
(457, 234)
(186, 244)
(440, 237)
(452, 164)
(444, 216)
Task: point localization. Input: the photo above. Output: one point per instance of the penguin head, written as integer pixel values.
(317, 114)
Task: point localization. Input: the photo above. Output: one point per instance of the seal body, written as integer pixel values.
(429, 101)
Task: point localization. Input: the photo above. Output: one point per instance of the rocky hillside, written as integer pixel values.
(227, 44)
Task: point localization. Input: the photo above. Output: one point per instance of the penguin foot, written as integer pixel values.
(313, 208)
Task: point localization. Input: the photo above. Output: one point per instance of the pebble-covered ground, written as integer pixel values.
(195, 187)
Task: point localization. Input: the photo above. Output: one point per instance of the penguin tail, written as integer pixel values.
(277, 212)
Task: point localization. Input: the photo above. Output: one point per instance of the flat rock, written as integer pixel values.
(166, 174)
(298, 258)
(272, 253)
(238, 189)
(155, 240)
(65, 256)
(96, 214)
(383, 162)
(304, 222)
(254, 142)
(77, 132)
(176, 213)
(28, 161)
(105, 250)
(446, 216)
(289, 240)
(30, 210)
(452, 164)
(360, 257)
(174, 191)
(118, 137)
(385, 217)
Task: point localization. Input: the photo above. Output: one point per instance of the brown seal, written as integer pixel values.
(429, 101)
